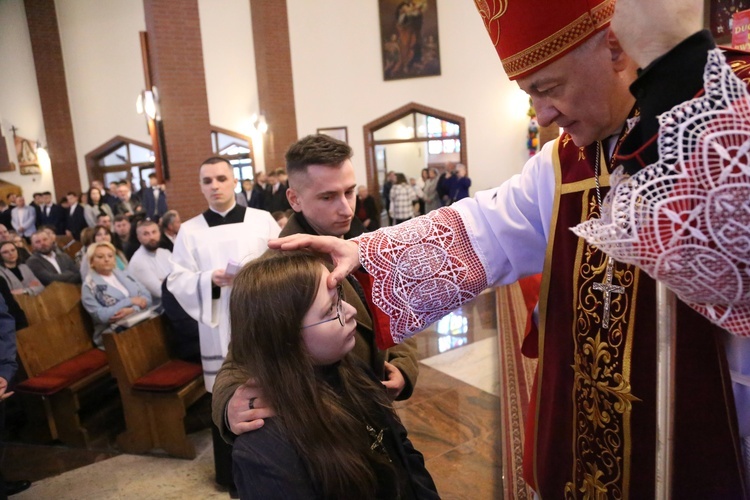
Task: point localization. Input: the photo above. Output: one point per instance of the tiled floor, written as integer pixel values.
(453, 419)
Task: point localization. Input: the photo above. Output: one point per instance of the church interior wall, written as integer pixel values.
(338, 81)
(20, 105)
(103, 70)
(336, 63)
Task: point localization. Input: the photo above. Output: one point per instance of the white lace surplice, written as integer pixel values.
(685, 220)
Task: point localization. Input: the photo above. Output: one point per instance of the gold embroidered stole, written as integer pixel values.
(599, 384)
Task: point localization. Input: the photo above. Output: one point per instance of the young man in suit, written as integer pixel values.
(75, 218)
(154, 199)
(51, 214)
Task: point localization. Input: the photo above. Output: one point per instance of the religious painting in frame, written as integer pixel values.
(339, 133)
(28, 162)
(718, 14)
(409, 38)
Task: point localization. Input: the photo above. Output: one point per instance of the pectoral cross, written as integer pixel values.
(608, 288)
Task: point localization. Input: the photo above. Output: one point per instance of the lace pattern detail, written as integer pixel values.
(685, 220)
(423, 269)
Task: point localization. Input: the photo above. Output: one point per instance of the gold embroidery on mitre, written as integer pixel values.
(491, 11)
(566, 139)
(560, 41)
(602, 397)
(581, 154)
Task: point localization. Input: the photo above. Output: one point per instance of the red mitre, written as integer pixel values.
(530, 34)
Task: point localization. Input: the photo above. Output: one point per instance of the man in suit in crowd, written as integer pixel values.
(51, 214)
(278, 201)
(154, 199)
(260, 189)
(49, 265)
(36, 203)
(129, 204)
(75, 218)
(23, 218)
(107, 197)
(125, 237)
(170, 225)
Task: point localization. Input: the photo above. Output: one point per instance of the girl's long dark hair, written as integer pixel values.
(269, 300)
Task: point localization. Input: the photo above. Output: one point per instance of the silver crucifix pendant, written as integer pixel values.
(608, 289)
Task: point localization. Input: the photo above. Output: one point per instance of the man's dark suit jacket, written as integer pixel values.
(47, 273)
(5, 219)
(55, 218)
(76, 222)
(277, 201)
(166, 243)
(154, 210)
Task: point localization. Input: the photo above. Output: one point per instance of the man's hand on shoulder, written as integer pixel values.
(394, 381)
(247, 409)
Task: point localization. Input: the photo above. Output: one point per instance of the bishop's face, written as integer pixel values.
(217, 185)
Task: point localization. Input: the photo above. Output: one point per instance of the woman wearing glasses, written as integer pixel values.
(336, 434)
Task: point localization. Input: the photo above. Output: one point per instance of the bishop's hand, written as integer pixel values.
(345, 254)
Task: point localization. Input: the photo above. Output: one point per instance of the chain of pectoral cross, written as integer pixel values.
(607, 287)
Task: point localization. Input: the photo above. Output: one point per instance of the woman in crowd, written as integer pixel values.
(431, 198)
(109, 294)
(95, 206)
(402, 200)
(336, 434)
(23, 249)
(366, 210)
(103, 234)
(19, 277)
(87, 238)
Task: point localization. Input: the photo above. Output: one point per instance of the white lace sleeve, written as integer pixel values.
(685, 220)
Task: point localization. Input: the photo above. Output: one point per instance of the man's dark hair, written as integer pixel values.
(47, 226)
(167, 218)
(214, 160)
(73, 193)
(151, 175)
(316, 149)
(46, 193)
(101, 214)
(121, 217)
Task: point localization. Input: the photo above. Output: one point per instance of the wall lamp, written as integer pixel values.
(258, 123)
(148, 103)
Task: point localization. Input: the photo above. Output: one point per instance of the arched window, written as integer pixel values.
(120, 159)
(411, 138)
(237, 149)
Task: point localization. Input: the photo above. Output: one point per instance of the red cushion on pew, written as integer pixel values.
(169, 376)
(64, 374)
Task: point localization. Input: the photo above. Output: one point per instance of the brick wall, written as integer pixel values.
(273, 63)
(176, 56)
(53, 92)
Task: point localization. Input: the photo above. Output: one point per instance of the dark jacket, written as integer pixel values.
(76, 222)
(267, 465)
(154, 209)
(56, 218)
(47, 273)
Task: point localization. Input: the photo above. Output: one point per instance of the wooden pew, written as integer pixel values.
(69, 245)
(56, 300)
(61, 364)
(155, 390)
